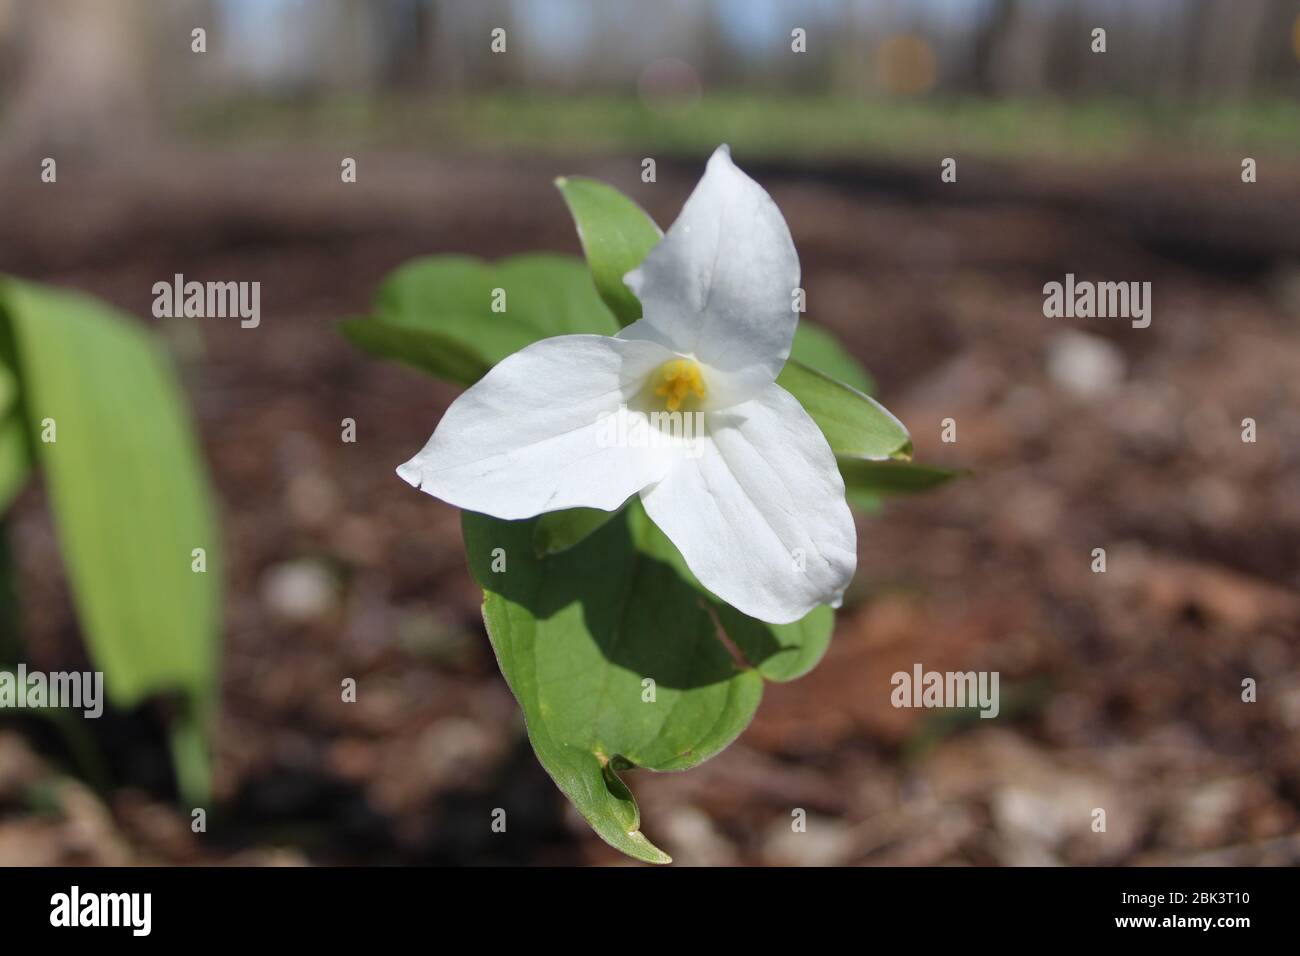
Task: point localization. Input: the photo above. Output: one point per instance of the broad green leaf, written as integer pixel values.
(615, 234)
(560, 530)
(437, 313)
(894, 477)
(576, 635)
(855, 424)
(817, 348)
(131, 501)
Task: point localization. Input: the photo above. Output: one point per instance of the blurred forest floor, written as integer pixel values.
(1120, 690)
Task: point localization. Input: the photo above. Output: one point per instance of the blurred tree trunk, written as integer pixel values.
(407, 34)
(1230, 47)
(1071, 66)
(990, 39)
(717, 64)
(496, 70)
(351, 39)
(447, 40)
(82, 76)
(1196, 28)
(851, 64)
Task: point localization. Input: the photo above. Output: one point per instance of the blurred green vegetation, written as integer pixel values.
(768, 125)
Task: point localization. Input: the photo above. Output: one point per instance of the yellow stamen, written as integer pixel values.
(679, 379)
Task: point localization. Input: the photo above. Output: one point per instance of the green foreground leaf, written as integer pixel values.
(131, 501)
(579, 635)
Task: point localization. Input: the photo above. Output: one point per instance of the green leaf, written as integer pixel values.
(864, 502)
(436, 313)
(616, 234)
(855, 424)
(560, 530)
(817, 348)
(577, 633)
(894, 477)
(131, 500)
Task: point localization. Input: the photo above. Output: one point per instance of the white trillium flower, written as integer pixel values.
(754, 502)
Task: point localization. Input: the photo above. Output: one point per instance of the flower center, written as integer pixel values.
(677, 381)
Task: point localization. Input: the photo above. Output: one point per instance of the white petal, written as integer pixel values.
(760, 515)
(719, 285)
(531, 435)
